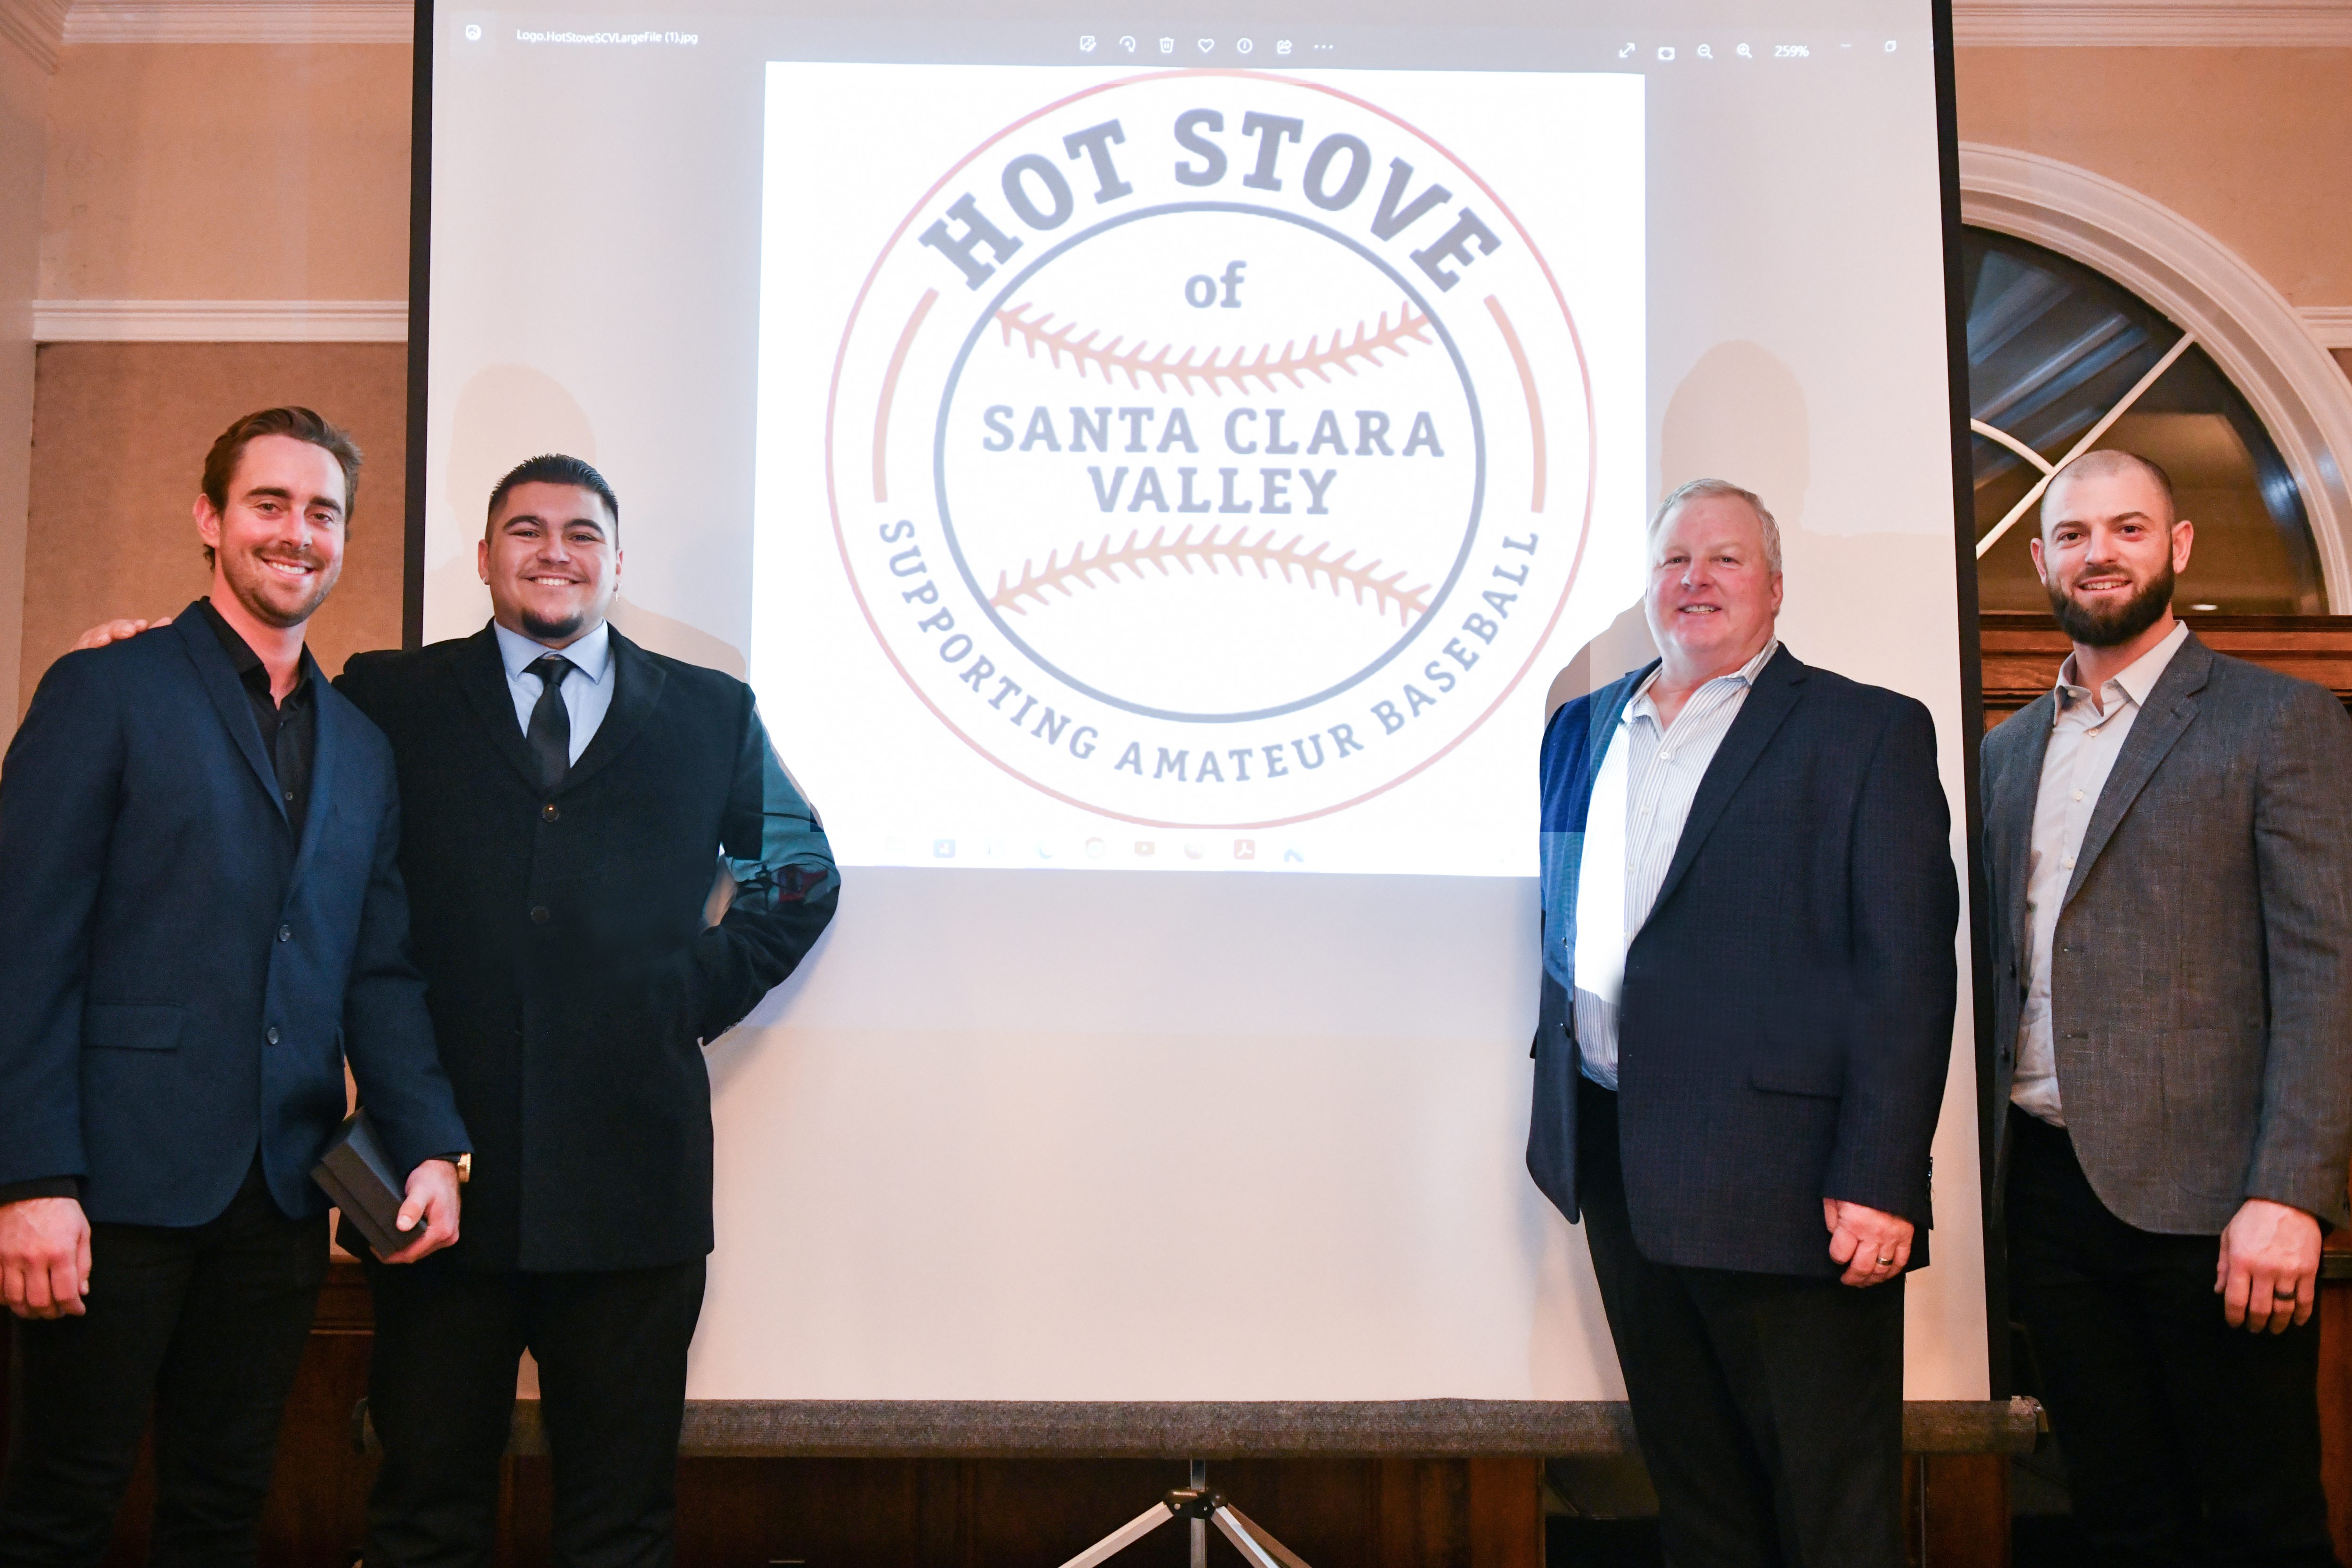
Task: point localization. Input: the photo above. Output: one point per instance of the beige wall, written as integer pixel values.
(227, 171)
(2253, 145)
(121, 430)
(267, 172)
(23, 92)
(192, 172)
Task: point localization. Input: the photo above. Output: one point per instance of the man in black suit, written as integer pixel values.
(1745, 1026)
(571, 799)
(203, 920)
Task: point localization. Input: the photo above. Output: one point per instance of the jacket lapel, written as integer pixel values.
(1778, 687)
(483, 674)
(2171, 707)
(638, 681)
(227, 695)
(2009, 815)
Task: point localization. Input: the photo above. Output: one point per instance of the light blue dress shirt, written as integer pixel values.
(587, 691)
(1663, 768)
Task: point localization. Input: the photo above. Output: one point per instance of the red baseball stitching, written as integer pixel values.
(1159, 551)
(1368, 345)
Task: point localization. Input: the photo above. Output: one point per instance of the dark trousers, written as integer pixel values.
(206, 1323)
(1770, 1409)
(611, 1348)
(2185, 1440)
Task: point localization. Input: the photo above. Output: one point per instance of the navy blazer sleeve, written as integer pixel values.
(59, 789)
(387, 1033)
(1906, 901)
(786, 886)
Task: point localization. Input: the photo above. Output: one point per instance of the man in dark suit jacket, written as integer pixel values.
(1745, 1031)
(204, 919)
(571, 799)
(2169, 846)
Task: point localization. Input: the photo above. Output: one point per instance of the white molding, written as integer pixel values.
(2266, 348)
(2151, 23)
(238, 21)
(35, 27)
(220, 321)
(2331, 324)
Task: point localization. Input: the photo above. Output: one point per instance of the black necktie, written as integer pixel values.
(551, 721)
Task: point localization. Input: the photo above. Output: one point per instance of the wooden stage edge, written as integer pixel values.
(1272, 1429)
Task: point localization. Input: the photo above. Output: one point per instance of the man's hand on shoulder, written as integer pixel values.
(1873, 1244)
(431, 1210)
(44, 1258)
(116, 631)
(2268, 1275)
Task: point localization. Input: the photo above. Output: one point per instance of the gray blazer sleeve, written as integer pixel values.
(2302, 848)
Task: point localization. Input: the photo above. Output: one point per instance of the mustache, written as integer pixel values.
(2115, 624)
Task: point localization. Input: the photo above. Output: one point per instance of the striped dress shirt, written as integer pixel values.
(1661, 767)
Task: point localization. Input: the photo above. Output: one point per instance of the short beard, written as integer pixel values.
(268, 614)
(2115, 627)
(540, 630)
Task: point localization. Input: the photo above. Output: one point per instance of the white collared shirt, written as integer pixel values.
(1661, 770)
(587, 691)
(2084, 744)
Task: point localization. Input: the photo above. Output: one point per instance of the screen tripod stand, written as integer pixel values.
(1201, 1508)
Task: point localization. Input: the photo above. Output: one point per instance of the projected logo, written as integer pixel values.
(1210, 450)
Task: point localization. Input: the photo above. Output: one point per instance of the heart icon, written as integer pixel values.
(1208, 44)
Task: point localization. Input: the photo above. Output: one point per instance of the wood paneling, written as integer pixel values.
(2022, 651)
(2335, 1402)
(1956, 1510)
(977, 1513)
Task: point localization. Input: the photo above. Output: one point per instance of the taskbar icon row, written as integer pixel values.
(1189, 850)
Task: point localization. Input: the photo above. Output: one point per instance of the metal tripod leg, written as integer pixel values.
(1268, 1552)
(1199, 1528)
(1125, 1536)
(1200, 1508)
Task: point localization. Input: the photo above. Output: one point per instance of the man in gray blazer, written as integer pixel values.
(2169, 845)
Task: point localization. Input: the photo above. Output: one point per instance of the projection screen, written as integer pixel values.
(1157, 470)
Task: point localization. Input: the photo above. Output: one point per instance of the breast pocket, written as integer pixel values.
(131, 1027)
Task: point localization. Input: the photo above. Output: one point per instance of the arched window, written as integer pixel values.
(2061, 358)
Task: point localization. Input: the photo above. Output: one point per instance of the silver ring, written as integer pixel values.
(1885, 1262)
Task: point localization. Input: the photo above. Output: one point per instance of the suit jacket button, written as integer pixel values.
(548, 812)
(286, 933)
(539, 915)
(270, 1034)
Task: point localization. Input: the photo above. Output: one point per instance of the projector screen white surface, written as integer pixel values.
(1108, 1084)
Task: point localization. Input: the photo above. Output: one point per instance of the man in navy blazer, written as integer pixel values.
(1746, 1025)
(203, 915)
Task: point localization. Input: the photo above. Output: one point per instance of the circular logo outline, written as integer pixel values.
(981, 595)
(841, 538)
